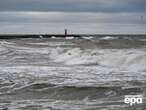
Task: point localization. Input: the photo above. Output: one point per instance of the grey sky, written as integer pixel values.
(80, 16)
(74, 5)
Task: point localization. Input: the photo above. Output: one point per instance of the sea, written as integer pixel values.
(82, 73)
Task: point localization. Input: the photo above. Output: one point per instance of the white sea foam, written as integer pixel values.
(51, 43)
(108, 38)
(131, 59)
(41, 36)
(53, 37)
(5, 42)
(69, 38)
(25, 69)
(90, 37)
(12, 46)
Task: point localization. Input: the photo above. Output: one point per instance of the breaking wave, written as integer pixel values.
(118, 58)
(61, 74)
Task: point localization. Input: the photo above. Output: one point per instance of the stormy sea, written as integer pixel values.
(85, 73)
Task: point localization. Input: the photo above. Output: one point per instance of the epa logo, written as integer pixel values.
(133, 99)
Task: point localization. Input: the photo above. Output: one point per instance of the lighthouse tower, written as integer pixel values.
(65, 32)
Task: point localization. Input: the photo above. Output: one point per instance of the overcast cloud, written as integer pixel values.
(74, 5)
(80, 16)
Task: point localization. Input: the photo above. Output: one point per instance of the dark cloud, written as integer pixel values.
(70, 17)
(74, 5)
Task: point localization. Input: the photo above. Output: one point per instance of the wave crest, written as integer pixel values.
(133, 59)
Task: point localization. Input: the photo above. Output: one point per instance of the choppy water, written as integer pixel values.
(72, 74)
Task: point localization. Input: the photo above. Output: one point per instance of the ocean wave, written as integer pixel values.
(78, 74)
(108, 38)
(88, 38)
(131, 59)
(62, 92)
